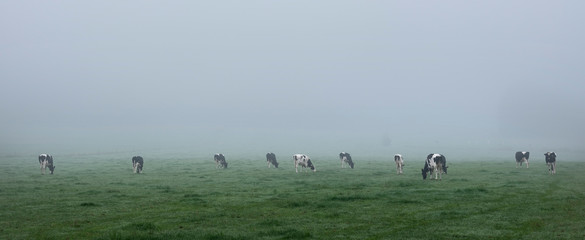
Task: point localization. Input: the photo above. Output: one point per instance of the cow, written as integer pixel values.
(522, 157)
(435, 163)
(551, 162)
(399, 163)
(46, 160)
(304, 161)
(137, 164)
(220, 161)
(271, 159)
(345, 158)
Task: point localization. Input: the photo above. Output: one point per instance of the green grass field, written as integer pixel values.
(183, 198)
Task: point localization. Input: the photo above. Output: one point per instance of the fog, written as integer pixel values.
(317, 77)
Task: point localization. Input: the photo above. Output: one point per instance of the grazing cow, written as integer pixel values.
(399, 163)
(304, 161)
(551, 162)
(345, 158)
(220, 161)
(271, 159)
(435, 163)
(522, 157)
(46, 160)
(137, 164)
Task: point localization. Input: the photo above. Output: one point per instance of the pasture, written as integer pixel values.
(187, 198)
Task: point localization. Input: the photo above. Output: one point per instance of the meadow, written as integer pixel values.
(98, 197)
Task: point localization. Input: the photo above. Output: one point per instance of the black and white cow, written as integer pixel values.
(46, 161)
(551, 162)
(220, 161)
(522, 157)
(399, 160)
(345, 158)
(271, 159)
(304, 161)
(435, 163)
(137, 164)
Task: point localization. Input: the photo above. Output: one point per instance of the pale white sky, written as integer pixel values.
(291, 75)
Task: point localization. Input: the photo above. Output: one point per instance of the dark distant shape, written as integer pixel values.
(271, 159)
(220, 161)
(137, 164)
(435, 163)
(551, 162)
(46, 160)
(345, 158)
(522, 157)
(304, 161)
(399, 160)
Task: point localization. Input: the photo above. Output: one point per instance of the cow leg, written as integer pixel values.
(43, 167)
(526, 163)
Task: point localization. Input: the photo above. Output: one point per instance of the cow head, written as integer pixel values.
(425, 170)
(51, 168)
(275, 164)
(310, 165)
(351, 164)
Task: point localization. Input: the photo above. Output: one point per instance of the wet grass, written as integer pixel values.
(177, 199)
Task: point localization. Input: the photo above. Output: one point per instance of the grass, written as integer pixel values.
(177, 199)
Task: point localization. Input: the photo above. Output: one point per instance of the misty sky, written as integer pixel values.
(291, 76)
